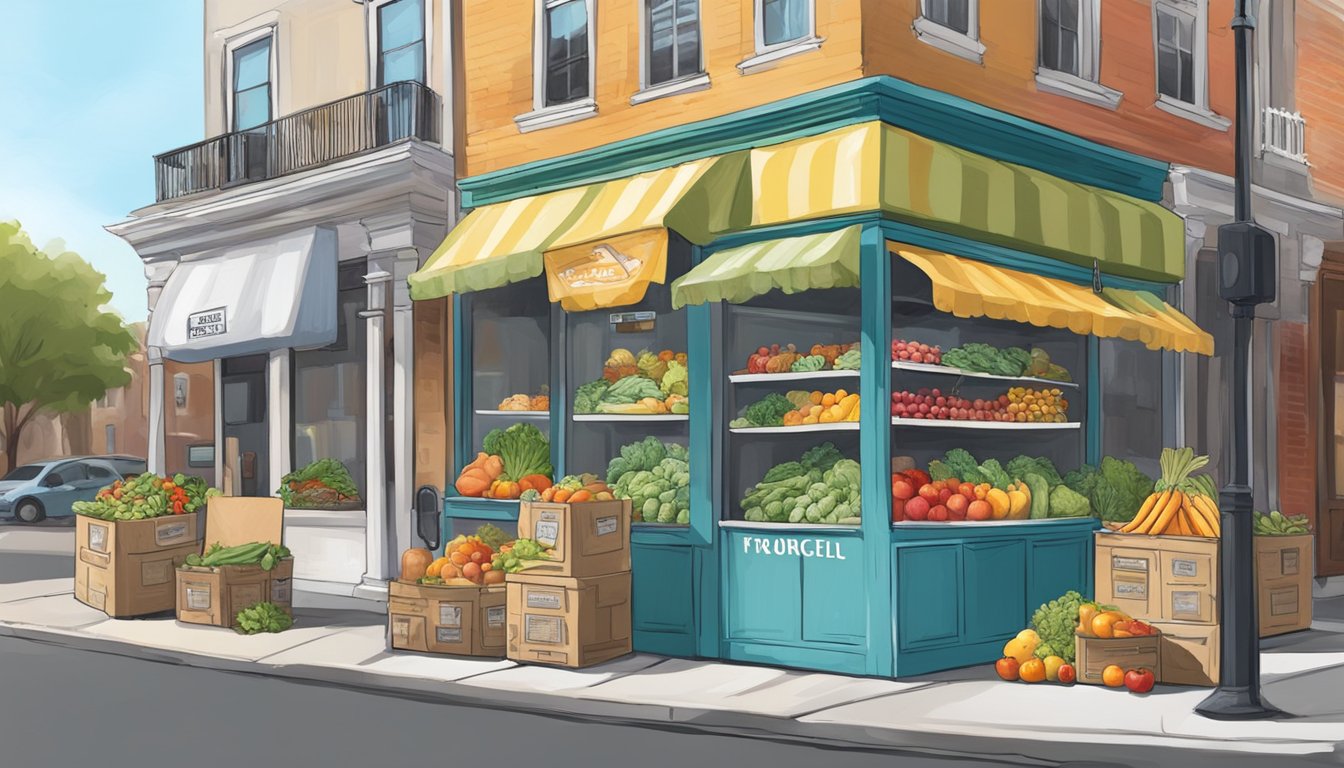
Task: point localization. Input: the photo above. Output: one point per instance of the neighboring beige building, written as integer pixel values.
(277, 252)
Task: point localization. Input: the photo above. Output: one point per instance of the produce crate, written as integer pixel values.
(437, 618)
(1158, 578)
(1190, 653)
(215, 595)
(568, 622)
(1283, 577)
(591, 538)
(1094, 654)
(125, 567)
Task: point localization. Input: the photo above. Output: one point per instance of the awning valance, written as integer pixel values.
(877, 167)
(791, 265)
(277, 294)
(506, 242)
(968, 288)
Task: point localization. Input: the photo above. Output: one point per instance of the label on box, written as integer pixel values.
(1185, 568)
(450, 615)
(98, 537)
(156, 572)
(171, 532)
(1283, 601)
(552, 601)
(1139, 564)
(495, 616)
(547, 530)
(545, 629)
(1289, 561)
(1184, 602)
(1136, 590)
(198, 597)
(281, 591)
(401, 628)
(448, 634)
(606, 525)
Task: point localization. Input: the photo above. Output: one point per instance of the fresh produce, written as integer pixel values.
(520, 402)
(576, 489)
(850, 360)
(1022, 648)
(933, 404)
(1067, 674)
(1037, 405)
(1116, 489)
(1021, 466)
(767, 412)
(1041, 367)
(1278, 524)
(1040, 496)
(1027, 659)
(1052, 665)
(1065, 502)
(808, 363)
(323, 483)
(1008, 668)
(1113, 676)
(1139, 680)
(676, 380)
(951, 499)
(522, 448)
(788, 358)
(822, 487)
(822, 408)
(1055, 623)
(262, 617)
(1179, 504)
(983, 358)
(1132, 628)
(620, 364)
(414, 562)
(1032, 671)
(516, 557)
(656, 477)
(466, 558)
(479, 476)
(630, 389)
(145, 496)
(915, 352)
(588, 396)
(262, 553)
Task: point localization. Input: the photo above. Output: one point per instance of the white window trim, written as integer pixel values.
(1199, 111)
(1091, 92)
(676, 87)
(967, 46)
(238, 41)
(558, 114)
(1205, 117)
(541, 115)
(656, 91)
(1086, 85)
(768, 55)
(371, 20)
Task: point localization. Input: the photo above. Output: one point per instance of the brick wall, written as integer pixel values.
(1320, 73)
(1296, 422)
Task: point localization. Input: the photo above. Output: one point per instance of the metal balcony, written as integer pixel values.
(1283, 133)
(303, 140)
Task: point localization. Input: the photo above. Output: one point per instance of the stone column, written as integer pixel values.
(403, 399)
(377, 532)
(278, 420)
(156, 459)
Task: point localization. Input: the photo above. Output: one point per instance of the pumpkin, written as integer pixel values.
(415, 563)
(504, 489)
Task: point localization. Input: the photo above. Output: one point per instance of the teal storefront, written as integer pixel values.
(863, 213)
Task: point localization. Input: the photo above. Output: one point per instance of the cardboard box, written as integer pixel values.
(433, 618)
(1283, 576)
(1158, 578)
(568, 622)
(589, 539)
(1190, 653)
(125, 567)
(1094, 654)
(214, 596)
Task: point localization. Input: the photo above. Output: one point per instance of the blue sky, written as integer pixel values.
(92, 90)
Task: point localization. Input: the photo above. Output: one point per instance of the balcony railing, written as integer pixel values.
(303, 140)
(1283, 133)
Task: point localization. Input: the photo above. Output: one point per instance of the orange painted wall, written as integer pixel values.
(1320, 82)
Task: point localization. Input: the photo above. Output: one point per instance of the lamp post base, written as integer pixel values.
(1238, 704)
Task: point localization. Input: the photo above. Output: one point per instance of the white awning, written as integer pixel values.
(249, 300)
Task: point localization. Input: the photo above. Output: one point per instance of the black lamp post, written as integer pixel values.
(1246, 278)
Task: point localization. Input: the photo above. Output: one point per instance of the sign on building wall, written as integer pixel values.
(210, 322)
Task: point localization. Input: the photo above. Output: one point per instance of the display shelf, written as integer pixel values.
(962, 524)
(834, 426)
(947, 370)
(755, 378)
(789, 527)
(614, 417)
(1026, 426)
(519, 414)
(476, 508)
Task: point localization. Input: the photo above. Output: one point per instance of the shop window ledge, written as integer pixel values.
(747, 378)
(1025, 426)
(630, 417)
(834, 426)
(948, 370)
(790, 527)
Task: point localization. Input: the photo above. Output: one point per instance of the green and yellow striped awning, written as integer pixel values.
(790, 264)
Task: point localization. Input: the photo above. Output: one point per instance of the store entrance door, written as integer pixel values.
(243, 382)
(1329, 522)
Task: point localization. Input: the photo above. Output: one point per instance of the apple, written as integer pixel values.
(967, 490)
(1067, 674)
(917, 508)
(930, 493)
(979, 510)
(938, 514)
(944, 495)
(903, 489)
(956, 504)
(1139, 680)
(953, 514)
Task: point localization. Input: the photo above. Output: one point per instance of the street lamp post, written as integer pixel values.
(1247, 278)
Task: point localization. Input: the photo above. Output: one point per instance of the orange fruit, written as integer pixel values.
(459, 558)
(1103, 626)
(1033, 671)
(1113, 676)
(472, 571)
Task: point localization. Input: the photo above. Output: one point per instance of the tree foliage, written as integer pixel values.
(60, 349)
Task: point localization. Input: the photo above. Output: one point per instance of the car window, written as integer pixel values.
(71, 472)
(99, 472)
(27, 472)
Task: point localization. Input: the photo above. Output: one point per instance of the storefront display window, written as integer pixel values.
(329, 386)
(510, 359)
(1133, 405)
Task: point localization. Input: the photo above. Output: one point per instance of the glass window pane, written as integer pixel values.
(953, 14)
(1131, 405)
(662, 42)
(1166, 27)
(252, 108)
(566, 52)
(1187, 63)
(329, 399)
(1167, 73)
(404, 64)
(400, 23)
(1068, 51)
(783, 20)
(252, 65)
(1186, 28)
(1068, 14)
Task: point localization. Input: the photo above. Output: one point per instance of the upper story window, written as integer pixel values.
(1069, 52)
(953, 14)
(251, 90)
(1061, 37)
(401, 41)
(1180, 42)
(780, 22)
(565, 51)
(672, 40)
(952, 26)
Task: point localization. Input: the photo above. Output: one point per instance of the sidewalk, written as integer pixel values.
(964, 712)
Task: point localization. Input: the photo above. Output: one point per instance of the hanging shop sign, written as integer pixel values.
(610, 273)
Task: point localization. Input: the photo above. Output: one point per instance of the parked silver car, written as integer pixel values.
(48, 488)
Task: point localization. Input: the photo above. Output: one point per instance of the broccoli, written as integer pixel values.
(822, 457)
(768, 412)
(1055, 622)
(587, 396)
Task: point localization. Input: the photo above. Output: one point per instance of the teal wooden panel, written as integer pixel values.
(845, 662)
(929, 588)
(661, 599)
(1056, 566)
(763, 593)
(833, 596)
(996, 588)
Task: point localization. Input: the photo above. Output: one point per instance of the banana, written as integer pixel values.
(1198, 522)
(1163, 520)
(1145, 510)
(1212, 518)
(1179, 525)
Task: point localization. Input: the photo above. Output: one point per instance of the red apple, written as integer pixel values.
(957, 504)
(967, 490)
(944, 495)
(929, 492)
(1067, 674)
(903, 489)
(1007, 668)
(917, 508)
(938, 514)
(1136, 680)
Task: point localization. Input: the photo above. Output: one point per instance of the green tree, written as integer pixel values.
(59, 348)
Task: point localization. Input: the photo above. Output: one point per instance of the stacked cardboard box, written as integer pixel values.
(572, 610)
(215, 595)
(125, 567)
(439, 618)
(1172, 583)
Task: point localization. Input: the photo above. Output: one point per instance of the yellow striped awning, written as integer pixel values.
(507, 242)
(789, 264)
(968, 288)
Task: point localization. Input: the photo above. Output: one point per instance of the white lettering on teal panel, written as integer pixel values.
(823, 549)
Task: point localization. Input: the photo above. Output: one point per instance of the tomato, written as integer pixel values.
(930, 493)
(1067, 674)
(902, 489)
(938, 514)
(1139, 680)
(957, 504)
(917, 476)
(1007, 667)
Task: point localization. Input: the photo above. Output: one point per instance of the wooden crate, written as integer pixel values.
(457, 620)
(589, 539)
(125, 567)
(1094, 654)
(568, 622)
(1283, 570)
(1158, 578)
(1190, 653)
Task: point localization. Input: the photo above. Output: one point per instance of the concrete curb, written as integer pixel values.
(1036, 747)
